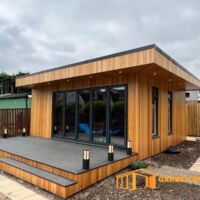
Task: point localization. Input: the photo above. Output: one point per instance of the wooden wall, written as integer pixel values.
(139, 110)
(193, 119)
(146, 145)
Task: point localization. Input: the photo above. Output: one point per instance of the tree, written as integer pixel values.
(7, 83)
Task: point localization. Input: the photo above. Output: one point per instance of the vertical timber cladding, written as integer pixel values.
(139, 110)
(148, 146)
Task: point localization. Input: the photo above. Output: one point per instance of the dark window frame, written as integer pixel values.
(187, 95)
(91, 89)
(155, 99)
(170, 122)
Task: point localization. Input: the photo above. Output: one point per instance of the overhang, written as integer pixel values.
(149, 59)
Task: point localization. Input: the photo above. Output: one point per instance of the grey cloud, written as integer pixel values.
(35, 35)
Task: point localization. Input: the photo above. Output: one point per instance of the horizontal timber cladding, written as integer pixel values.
(83, 180)
(139, 110)
(88, 68)
(135, 59)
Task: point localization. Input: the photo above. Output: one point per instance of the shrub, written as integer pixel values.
(138, 165)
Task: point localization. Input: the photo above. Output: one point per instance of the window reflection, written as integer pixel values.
(84, 128)
(99, 115)
(58, 114)
(117, 115)
(70, 111)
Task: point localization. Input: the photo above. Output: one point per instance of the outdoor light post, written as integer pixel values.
(86, 159)
(5, 133)
(23, 132)
(110, 153)
(129, 148)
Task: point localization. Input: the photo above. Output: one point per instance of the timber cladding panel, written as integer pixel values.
(88, 68)
(133, 59)
(83, 180)
(139, 110)
(193, 119)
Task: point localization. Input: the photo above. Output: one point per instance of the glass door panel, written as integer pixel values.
(117, 115)
(99, 115)
(58, 114)
(84, 129)
(70, 115)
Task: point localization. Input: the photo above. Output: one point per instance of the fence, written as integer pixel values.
(193, 119)
(14, 120)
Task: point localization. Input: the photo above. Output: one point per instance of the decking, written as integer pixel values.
(56, 166)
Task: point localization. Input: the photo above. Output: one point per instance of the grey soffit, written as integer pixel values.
(115, 55)
(38, 172)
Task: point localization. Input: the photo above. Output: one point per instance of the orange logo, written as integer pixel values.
(131, 180)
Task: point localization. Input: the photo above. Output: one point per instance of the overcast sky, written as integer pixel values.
(40, 34)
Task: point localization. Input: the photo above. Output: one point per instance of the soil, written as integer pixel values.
(190, 152)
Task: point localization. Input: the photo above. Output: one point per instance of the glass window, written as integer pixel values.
(84, 128)
(154, 111)
(117, 115)
(95, 114)
(70, 115)
(58, 114)
(99, 115)
(169, 112)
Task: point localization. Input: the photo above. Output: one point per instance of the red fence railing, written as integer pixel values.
(14, 121)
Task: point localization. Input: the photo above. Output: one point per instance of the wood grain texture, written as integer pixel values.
(193, 119)
(139, 110)
(84, 179)
(140, 60)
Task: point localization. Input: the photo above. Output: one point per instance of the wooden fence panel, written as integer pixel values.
(14, 120)
(193, 119)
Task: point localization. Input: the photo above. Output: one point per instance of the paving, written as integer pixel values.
(196, 166)
(60, 154)
(16, 191)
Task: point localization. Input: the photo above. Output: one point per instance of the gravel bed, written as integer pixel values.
(190, 152)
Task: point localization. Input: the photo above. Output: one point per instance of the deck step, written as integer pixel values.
(38, 172)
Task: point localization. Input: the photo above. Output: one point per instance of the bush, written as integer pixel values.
(138, 165)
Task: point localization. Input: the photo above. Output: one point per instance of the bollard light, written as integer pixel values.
(86, 159)
(23, 132)
(110, 153)
(5, 133)
(129, 148)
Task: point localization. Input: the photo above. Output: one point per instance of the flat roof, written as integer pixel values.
(13, 96)
(115, 55)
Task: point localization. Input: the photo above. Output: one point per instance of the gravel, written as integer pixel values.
(190, 152)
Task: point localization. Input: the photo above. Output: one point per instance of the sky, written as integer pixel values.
(40, 34)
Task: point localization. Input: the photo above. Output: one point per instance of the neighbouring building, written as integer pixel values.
(192, 96)
(14, 101)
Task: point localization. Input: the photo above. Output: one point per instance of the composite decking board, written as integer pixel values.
(38, 172)
(59, 154)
